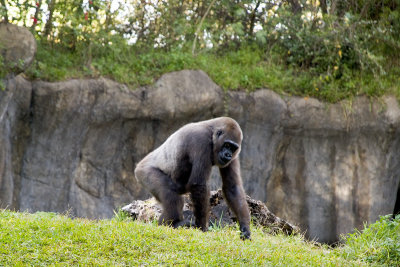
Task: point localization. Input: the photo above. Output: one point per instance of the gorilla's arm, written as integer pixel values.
(201, 197)
(235, 196)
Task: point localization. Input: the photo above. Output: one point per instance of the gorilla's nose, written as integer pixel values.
(228, 155)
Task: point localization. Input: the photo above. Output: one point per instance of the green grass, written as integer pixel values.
(377, 243)
(246, 69)
(51, 239)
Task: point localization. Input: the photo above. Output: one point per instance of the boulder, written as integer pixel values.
(17, 47)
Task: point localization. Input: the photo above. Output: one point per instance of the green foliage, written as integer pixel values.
(334, 50)
(377, 243)
(248, 68)
(325, 49)
(50, 239)
(53, 64)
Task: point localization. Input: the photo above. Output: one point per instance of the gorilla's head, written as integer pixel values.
(227, 141)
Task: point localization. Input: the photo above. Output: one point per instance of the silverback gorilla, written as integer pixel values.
(182, 164)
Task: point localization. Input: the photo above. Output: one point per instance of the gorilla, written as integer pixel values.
(182, 164)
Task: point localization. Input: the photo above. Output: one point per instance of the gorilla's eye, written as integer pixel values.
(231, 146)
(219, 133)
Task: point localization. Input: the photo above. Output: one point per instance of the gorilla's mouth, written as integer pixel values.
(222, 160)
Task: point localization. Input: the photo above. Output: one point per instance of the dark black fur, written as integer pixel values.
(182, 164)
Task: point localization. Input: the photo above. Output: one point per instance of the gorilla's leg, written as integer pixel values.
(165, 191)
(172, 204)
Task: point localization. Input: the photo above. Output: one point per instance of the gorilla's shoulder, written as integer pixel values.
(200, 127)
(192, 134)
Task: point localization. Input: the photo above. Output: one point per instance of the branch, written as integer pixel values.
(36, 16)
(199, 27)
(253, 18)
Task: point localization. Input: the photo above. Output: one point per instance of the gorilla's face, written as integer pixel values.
(227, 151)
(227, 146)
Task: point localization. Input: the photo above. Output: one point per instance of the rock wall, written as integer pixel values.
(73, 145)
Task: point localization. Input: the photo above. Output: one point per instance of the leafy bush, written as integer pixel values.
(328, 45)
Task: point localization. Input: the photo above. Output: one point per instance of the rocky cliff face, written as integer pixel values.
(73, 145)
(327, 167)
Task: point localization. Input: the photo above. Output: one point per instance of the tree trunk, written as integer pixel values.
(295, 6)
(253, 18)
(339, 8)
(323, 6)
(49, 24)
(5, 15)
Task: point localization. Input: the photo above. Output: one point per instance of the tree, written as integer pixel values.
(4, 11)
(49, 23)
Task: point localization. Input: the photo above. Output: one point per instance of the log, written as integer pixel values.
(220, 215)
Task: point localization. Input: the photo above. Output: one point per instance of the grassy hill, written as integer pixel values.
(51, 239)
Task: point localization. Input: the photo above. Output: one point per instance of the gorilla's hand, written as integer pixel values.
(245, 233)
(184, 223)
